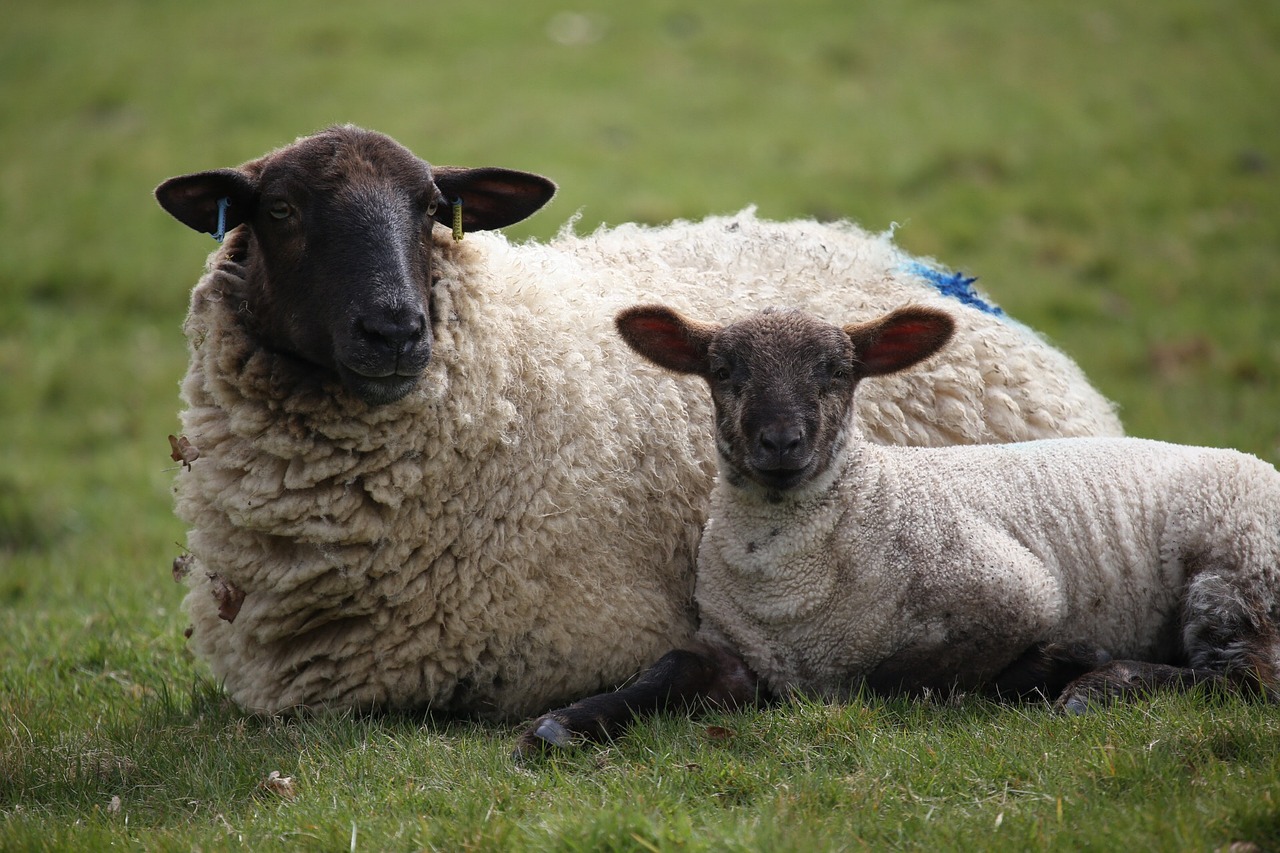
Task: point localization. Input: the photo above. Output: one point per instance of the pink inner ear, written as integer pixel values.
(901, 345)
(664, 341)
(661, 335)
(906, 337)
(652, 327)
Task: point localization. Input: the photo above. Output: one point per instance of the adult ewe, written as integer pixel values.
(830, 564)
(429, 473)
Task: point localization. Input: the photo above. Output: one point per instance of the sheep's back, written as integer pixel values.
(997, 380)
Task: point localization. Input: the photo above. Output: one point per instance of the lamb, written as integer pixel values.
(424, 472)
(1085, 567)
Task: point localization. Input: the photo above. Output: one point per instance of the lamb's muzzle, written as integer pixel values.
(781, 452)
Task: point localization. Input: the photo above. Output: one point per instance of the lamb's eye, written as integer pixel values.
(721, 372)
(280, 209)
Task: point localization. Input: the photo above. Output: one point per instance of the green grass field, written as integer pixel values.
(1110, 171)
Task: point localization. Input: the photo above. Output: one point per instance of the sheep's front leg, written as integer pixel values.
(703, 675)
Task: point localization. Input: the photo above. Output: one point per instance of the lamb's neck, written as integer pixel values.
(762, 532)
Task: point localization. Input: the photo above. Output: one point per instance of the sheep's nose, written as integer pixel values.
(397, 331)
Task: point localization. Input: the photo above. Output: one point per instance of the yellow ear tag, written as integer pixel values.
(457, 219)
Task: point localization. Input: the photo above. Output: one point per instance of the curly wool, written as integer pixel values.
(521, 529)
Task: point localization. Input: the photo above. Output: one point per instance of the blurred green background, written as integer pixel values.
(1111, 171)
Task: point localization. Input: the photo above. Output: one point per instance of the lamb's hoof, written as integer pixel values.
(545, 735)
(553, 733)
(1102, 686)
(1122, 680)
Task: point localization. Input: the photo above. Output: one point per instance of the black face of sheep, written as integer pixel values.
(783, 381)
(335, 240)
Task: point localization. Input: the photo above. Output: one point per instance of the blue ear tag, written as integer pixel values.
(223, 204)
(457, 219)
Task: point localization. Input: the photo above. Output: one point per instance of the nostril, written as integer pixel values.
(397, 331)
(414, 327)
(781, 439)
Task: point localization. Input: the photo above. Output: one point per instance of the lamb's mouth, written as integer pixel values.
(780, 479)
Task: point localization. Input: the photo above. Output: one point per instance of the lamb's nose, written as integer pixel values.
(781, 439)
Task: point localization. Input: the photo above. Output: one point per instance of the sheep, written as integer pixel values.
(425, 472)
(1088, 568)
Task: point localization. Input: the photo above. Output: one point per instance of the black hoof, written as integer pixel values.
(544, 736)
(553, 733)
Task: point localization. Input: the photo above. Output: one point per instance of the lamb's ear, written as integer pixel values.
(491, 197)
(899, 340)
(193, 199)
(664, 337)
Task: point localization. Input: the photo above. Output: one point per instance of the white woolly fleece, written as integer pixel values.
(948, 563)
(520, 531)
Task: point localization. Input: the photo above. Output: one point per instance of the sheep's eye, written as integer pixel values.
(428, 204)
(721, 372)
(280, 209)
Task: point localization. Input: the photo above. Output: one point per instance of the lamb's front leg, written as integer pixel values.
(1123, 679)
(1044, 670)
(702, 675)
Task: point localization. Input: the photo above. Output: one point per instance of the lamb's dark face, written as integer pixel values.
(337, 242)
(782, 383)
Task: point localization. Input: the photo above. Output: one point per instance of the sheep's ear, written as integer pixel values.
(899, 340)
(491, 198)
(667, 339)
(193, 199)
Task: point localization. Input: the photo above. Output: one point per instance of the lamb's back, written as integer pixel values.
(1119, 524)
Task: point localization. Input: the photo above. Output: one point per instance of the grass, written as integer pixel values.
(1111, 171)
(1178, 773)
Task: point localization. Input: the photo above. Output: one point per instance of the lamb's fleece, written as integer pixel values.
(521, 529)
(923, 563)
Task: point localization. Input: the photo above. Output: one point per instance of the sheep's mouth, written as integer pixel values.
(378, 390)
(381, 378)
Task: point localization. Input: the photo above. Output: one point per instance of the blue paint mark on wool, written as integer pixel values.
(954, 284)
